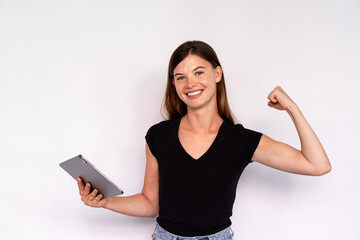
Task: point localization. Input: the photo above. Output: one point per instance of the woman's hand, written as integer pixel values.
(145, 204)
(310, 160)
(279, 99)
(92, 199)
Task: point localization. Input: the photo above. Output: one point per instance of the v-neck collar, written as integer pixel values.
(207, 151)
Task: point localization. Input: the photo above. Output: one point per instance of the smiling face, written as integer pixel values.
(195, 82)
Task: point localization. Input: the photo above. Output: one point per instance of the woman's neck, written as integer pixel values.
(201, 120)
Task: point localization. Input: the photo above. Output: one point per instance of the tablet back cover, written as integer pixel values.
(80, 167)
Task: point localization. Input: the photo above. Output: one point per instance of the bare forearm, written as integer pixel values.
(311, 148)
(137, 205)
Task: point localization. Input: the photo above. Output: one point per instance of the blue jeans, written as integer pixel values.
(162, 234)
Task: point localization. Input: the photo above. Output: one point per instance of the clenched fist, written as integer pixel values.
(279, 99)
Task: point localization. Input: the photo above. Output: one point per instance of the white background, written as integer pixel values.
(89, 77)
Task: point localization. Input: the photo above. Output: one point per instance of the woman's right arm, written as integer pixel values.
(144, 204)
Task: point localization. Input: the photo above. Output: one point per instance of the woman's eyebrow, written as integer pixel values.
(178, 74)
(198, 68)
(193, 71)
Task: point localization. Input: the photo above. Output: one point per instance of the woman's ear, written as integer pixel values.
(218, 72)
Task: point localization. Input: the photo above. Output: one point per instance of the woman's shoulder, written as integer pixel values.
(232, 126)
(163, 125)
(240, 129)
(160, 133)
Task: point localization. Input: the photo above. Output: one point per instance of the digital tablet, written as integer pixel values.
(80, 167)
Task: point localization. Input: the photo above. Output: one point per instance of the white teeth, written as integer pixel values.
(194, 93)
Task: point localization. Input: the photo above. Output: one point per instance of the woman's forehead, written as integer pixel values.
(191, 62)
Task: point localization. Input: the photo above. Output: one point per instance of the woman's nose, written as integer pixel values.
(190, 82)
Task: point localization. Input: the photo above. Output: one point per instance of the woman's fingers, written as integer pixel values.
(92, 195)
(87, 189)
(98, 198)
(90, 198)
(273, 102)
(272, 96)
(80, 185)
(93, 199)
(279, 99)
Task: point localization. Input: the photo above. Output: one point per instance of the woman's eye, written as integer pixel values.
(180, 78)
(198, 73)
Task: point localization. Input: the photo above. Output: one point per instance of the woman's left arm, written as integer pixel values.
(311, 160)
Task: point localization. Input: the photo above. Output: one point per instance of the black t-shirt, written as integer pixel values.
(196, 197)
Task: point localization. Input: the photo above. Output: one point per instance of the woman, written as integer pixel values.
(195, 158)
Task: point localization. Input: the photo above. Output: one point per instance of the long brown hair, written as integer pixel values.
(172, 104)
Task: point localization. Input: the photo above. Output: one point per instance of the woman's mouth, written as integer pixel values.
(193, 94)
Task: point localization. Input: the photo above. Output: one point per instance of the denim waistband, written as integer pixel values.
(162, 234)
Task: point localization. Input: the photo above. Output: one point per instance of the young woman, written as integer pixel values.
(195, 158)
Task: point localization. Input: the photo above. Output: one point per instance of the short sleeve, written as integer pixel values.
(249, 141)
(150, 138)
